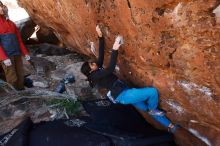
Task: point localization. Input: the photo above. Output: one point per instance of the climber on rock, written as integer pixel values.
(145, 99)
(11, 50)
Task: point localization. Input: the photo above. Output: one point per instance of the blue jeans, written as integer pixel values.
(144, 99)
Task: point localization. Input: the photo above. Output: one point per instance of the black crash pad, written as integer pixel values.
(65, 133)
(108, 125)
(124, 125)
(55, 133)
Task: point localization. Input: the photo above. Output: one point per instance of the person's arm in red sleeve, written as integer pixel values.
(22, 47)
(3, 56)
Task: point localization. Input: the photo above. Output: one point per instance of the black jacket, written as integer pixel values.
(104, 77)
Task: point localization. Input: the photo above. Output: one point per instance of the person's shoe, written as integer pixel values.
(156, 112)
(173, 127)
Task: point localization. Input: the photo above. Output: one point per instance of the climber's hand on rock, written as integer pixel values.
(98, 30)
(118, 42)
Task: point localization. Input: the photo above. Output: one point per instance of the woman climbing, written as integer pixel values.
(145, 99)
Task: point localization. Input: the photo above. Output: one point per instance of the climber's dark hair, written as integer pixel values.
(85, 69)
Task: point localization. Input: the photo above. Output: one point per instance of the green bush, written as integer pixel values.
(72, 107)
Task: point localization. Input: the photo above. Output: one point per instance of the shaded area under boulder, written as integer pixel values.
(47, 35)
(48, 49)
(26, 28)
(118, 127)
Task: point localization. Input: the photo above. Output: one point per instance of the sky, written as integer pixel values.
(16, 13)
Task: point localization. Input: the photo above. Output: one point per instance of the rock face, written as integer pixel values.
(173, 45)
(45, 35)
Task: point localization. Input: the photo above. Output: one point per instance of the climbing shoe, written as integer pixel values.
(173, 127)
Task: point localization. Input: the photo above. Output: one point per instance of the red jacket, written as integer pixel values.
(8, 27)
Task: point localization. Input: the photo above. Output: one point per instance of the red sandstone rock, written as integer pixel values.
(173, 45)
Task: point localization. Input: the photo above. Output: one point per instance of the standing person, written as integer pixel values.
(11, 50)
(145, 99)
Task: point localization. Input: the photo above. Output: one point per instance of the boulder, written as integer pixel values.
(47, 36)
(172, 45)
(41, 66)
(15, 106)
(39, 81)
(26, 27)
(80, 88)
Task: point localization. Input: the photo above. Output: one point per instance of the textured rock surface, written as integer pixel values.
(171, 44)
(41, 103)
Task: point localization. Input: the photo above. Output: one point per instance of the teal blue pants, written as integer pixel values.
(144, 99)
